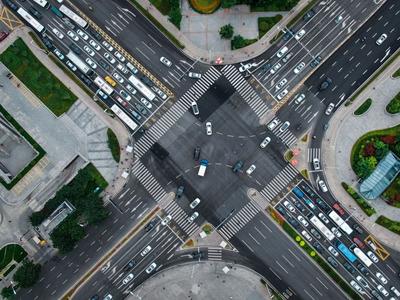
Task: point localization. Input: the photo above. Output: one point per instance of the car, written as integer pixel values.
(265, 67)
(122, 68)
(307, 16)
(288, 34)
(59, 54)
(282, 94)
(109, 57)
(94, 32)
(107, 46)
(349, 268)
(135, 115)
(120, 57)
(85, 79)
(94, 45)
(282, 51)
(300, 34)
(332, 262)
(383, 291)
(338, 19)
(302, 220)
(103, 95)
(35, 13)
(179, 191)
(107, 297)
(275, 68)
(118, 77)
(91, 63)
(316, 164)
(71, 65)
(57, 33)
(282, 211)
(336, 232)
(193, 217)
(131, 67)
(323, 218)
(165, 61)
(160, 93)
(363, 269)
(338, 208)
(329, 109)
(125, 95)
(287, 57)
(82, 34)
(299, 67)
(131, 89)
(395, 291)
(325, 84)
(376, 295)
(194, 203)
(119, 99)
(292, 221)
(146, 103)
(72, 35)
(306, 235)
(381, 39)
(237, 166)
(289, 206)
(140, 108)
(323, 186)
(265, 142)
(146, 80)
(194, 75)
(356, 286)
(88, 50)
(103, 64)
(251, 169)
(244, 67)
(273, 124)
(146, 250)
(381, 278)
(130, 265)
(299, 98)
(208, 128)
(315, 233)
(300, 207)
(317, 246)
(196, 153)
(166, 220)
(315, 62)
(358, 228)
(285, 126)
(151, 268)
(128, 278)
(95, 297)
(322, 205)
(333, 251)
(151, 224)
(195, 108)
(281, 84)
(362, 281)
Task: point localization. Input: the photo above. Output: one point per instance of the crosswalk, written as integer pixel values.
(286, 136)
(245, 90)
(180, 217)
(176, 112)
(313, 153)
(276, 185)
(214, 253)
(151, 184)
(239, 220)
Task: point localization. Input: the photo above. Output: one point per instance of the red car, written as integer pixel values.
(359, 243)
(3, 35)
(339, 209)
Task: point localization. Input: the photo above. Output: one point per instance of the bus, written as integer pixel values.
(143, 89)
(322, 228)
(366, 261)
(346, 252)
(340, 222)
(73, 16)
(31, 20)
(42, 3)
(101, 83)
(124, 117)
(79, 63)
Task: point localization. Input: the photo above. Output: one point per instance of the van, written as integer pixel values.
(110, 81)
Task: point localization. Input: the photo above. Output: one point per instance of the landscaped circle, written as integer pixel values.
(205, 6)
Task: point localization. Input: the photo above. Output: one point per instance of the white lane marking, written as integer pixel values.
(322, 283)
(247, 246)
(275, 273)
(257, 242)
(308, 294)
(258, 230)
(288, 261)
(319, 293)
(294, 255)
(281, 267)
(266, 226)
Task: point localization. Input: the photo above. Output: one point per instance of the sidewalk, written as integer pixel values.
(344, 129)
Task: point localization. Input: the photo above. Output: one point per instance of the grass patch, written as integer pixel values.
(392, 193)
(30, 140)
(19, 59)
(37, 40)
(396, 74)
(393, 226)
(393, 106)
(304, 138)
(362, 203)
(205, 6)
(243, 43)
(95, 174)
(113, 145)
(288, 155)
(304, 173)
(273, 5)
(162, 5)
(11, 252)
(207, 228)
(363, 107)
(266, 23)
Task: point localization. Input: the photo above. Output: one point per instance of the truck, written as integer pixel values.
(203, 167)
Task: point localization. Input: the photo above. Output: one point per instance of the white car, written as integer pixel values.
(372, 256)
(122, 68)
(108, 296)
(94, 45)
(151, 268)
(282, 94)
(289, 206)
(306, 235)
(107, 46)
(165, 61)
(316, 163)
(382, 290)
(59, 54)
(109, 57)
(194, 203)
(281, 84)
(146, 103)
(333, 251)
(300, 34)
(127, 278)
(119, 56)
(146, 250)
(166, 220)
(275, 68)
(125, 95)
(194, 75)
(336, 232)
(91, 63)
(73, 36)
(244, 67)
(265, 142)
(381, 39)
(88, 50)
(118, 77)
(282, 51)
(208, 128)
(273, 124)
(322, 185)
(250, 170)
(82, 34)
(299, 98)
(395, 291)
(381, 278)
(284, 126)
(193, 217)
(299, 68)
(58, 33)
(195, 108)
(131, 89)
(356, 286)
(362, 281)
(71, 66)
(338, 19)
(323, 218)
(329, 109)
(302, 221)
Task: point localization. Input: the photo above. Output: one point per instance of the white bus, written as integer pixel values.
(42, 3)
(322, 228)
(79, 63)
(31, 20)
(101, 83)
(366, 261)
(124, 117)
(142, 88)
(340, 222)
(73, 16)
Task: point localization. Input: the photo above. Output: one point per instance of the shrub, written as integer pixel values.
(363, 107)
(388, 139)
(27, 274)
(239, 42)
(266, 23)
(394, 105)
(393, 226)
(369, 149)
(228, 3)
(226, 31)
(369, 211)
(175, 17)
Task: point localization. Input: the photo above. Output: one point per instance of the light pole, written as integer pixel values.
(12, 286)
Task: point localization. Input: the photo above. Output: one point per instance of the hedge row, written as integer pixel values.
(369, 211)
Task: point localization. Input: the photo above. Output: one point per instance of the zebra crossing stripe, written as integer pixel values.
(180, 217)
(148, 181)
(279, 182)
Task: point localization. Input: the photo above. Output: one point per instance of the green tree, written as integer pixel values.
(67, 234)
(226, 31)
(27, 274)
(381, 149)
(7, 293)
(175, 16)
(94, 211)
(238, 42)
(228, 3)
(365, 166)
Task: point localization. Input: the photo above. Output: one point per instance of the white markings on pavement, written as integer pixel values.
(291, 252)
(308, 294)
(257, 242)
(247, 246)
(322, 283)
(141, 52)
(260, 233)
(266, 226)
(319, 293)
(288, 261)
(281, 267)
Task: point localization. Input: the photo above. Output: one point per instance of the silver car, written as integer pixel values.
(118, 77)
(88, 50)
(193, 217)
(265, 142)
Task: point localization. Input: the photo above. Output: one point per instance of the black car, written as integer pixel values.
(238, 166)
(322, 205)
(288, 35)
(179, 191)
(332, 262)
(11, 4)
(357, 228)
(294, 223)
(75, 49)
(48, 43)
(96, 35)
(309, 15)
(95, 297)
(130, 265)
(196, 255)
(196, 153)
(317, 246)
(147, 81)
(104, 65)
(281, 210)
(325, 84)
(151, 224)
(349, 268)
(141, 109)
(315, 62)
(85, 79)
(35, 13)
(300, 207)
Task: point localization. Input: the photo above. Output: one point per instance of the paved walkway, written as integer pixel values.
(344, 130)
